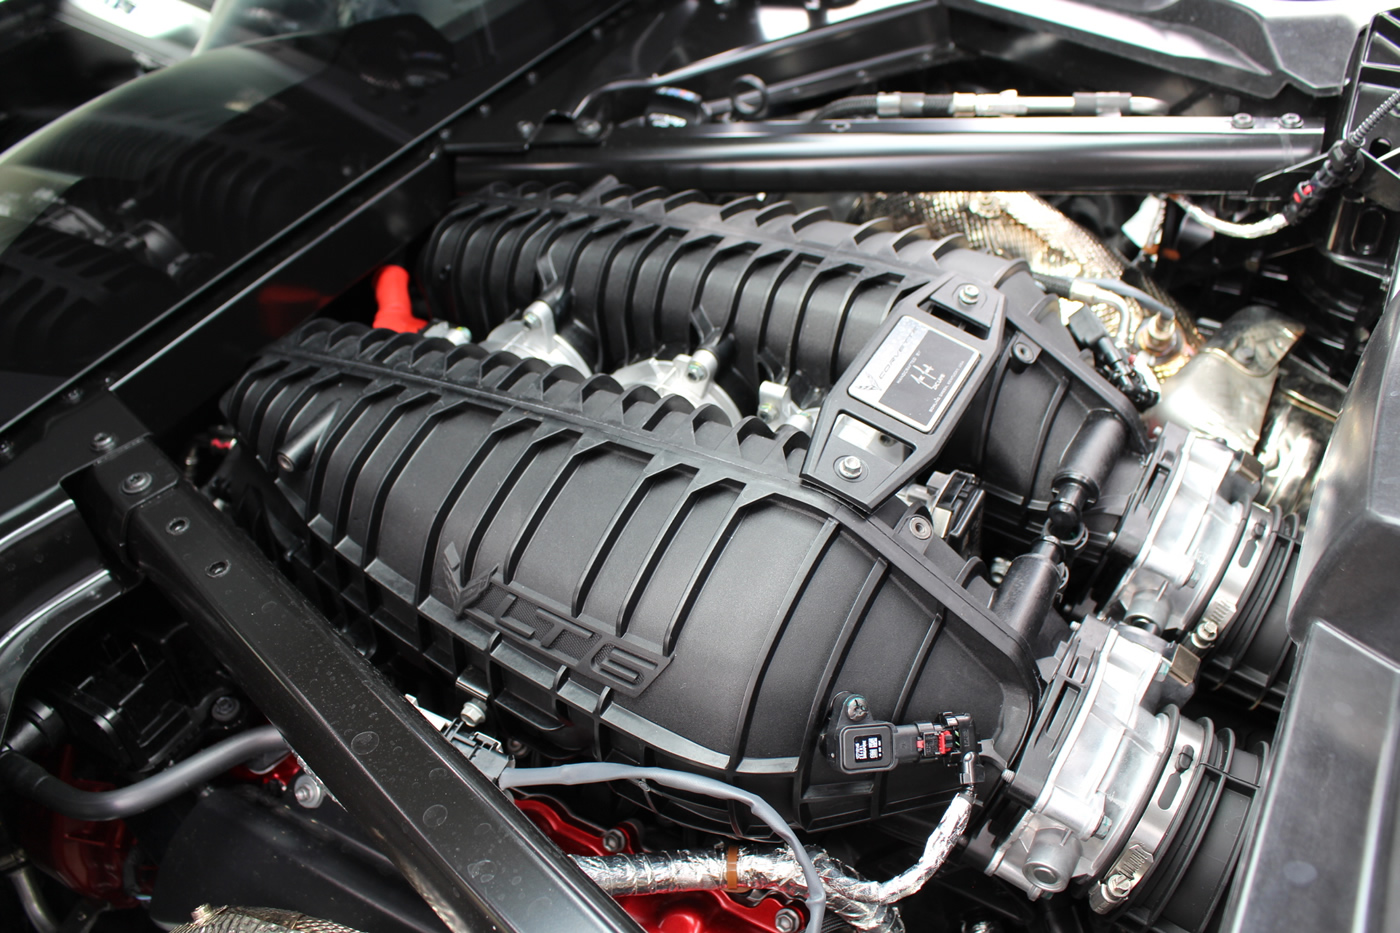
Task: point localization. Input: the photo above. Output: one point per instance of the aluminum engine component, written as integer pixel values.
(533, 335)
(690, 377)
(1021, 225)
(1117, 785)
(1195, 562)
(1224, 391)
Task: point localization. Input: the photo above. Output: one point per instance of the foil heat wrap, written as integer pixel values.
(1019, 225)
(865, 905)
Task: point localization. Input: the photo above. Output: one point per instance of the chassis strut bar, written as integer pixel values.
(471, 854)
(1147, 154)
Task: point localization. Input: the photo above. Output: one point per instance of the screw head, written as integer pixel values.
(1103, 829)
(850, 467)
(969, 294)
(225, 709)
(921, 527)
(1290, 121)
(787, 920)
(136, 482)
(525, 128)
(1118, 885)
(614, 840)
(1023, 353)
(308, 792)
(102, 442)
(856, 708)
(1207, 631)
(1242, 121)
(473, 713)
(695, 372)
(767, 413)
(530, 319)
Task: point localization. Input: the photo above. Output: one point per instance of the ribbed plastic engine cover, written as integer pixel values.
(628, 577)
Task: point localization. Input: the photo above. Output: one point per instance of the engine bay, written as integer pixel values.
(926, 470)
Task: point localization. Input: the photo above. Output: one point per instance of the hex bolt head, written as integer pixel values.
(308, 792)
(614, 840)
(969, 294)
(767, 413)
(531, 320)
(856, 708)
(850, 467)
(787, 920)
(1290, 121)
(102, 442)
(225, 709)
(1207, 631)
(921, 528)
(695, 372)
(1242, 121)
(135, 483)
(473, 713)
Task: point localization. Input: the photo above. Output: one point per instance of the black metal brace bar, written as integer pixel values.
(1191, 155)
(459, 840)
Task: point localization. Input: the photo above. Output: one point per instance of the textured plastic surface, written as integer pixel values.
(803, 300)
(1346, 568)
(1326, 851)
(625, 575)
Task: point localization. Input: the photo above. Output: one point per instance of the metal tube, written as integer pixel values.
(1142, 154)
(36, 909)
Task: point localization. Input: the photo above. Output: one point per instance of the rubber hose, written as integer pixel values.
(30, 780)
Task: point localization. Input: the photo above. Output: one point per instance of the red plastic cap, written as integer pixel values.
(395, 307)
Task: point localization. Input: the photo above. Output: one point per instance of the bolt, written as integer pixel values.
(695, 372)
(1242, 121)
(225, 709)
(473, 713)
(102, 442)
(920, 528)
(969, 294)
(856, 708)
(767, 413)
(308, 792)
(588, 128)
(1023, 353)
(614, 840)
(1118, 886)
(1290, 121)
(850, 467)
(787, 920)
(1102, 831)
(73, 396)
(525, 128)
(136, 482)
(1207, 631)
(530, 319)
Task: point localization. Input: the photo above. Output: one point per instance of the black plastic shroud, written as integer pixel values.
(625, 576)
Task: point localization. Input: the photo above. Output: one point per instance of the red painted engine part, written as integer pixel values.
(684, 912)
(87, 857)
